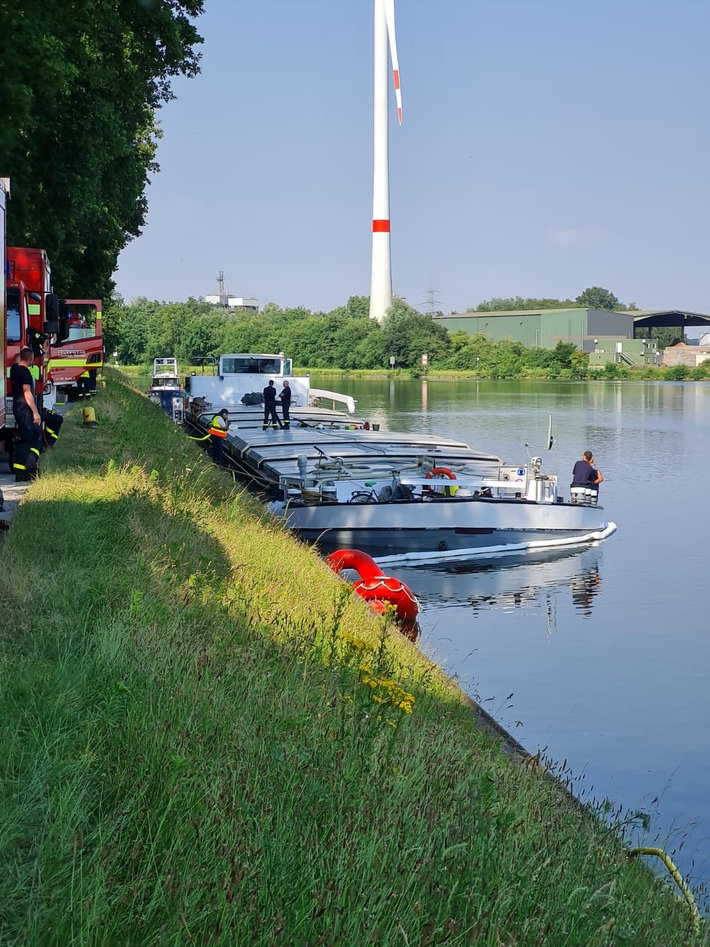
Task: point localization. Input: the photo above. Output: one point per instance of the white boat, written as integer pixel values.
(166, 389)
(339, 482)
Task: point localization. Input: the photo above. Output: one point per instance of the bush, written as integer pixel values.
(677, 373)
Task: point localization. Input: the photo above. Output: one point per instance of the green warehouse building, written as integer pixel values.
(604, 334)
(545, 327)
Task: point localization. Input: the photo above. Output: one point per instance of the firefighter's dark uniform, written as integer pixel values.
(285, 399)
(52, 426)
(270, 414)
(28, 449)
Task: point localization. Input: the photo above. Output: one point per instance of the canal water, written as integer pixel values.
(599, 658)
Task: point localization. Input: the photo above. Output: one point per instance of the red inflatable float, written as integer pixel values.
(378, 589)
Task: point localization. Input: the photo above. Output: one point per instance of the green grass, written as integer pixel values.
(207, 739)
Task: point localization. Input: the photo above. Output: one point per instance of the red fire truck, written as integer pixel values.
(32, 315)
(4, 183)
(78, 355)
(67, 331)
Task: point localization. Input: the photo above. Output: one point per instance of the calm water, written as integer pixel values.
(605, 653)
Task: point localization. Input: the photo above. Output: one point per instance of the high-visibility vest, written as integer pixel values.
(215, 426)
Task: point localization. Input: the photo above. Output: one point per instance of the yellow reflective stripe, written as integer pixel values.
(34, 450)
(19, 467)
(56, 363)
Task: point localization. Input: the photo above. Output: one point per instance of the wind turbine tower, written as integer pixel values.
(381, 273)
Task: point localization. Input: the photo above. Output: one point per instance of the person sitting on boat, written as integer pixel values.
(270, 407)
(586, 474)
(218, 434)
(285, 399)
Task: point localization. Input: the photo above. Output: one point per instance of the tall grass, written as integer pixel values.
(208, 740)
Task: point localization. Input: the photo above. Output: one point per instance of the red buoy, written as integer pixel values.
(378, 589)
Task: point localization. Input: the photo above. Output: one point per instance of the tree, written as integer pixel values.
(78, 131)
(408, 334)
(517, 303)
(563, 353)
(594, 297)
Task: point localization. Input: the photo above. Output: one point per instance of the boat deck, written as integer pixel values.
(330, 444)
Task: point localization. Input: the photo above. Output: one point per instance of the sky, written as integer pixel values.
(547, 146)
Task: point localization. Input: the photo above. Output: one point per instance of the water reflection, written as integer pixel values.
(644, 637)
(584, 588)
(510, 582)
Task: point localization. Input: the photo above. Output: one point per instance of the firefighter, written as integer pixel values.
(83, 384)
(285, 399)
(27, 418)
(218, 433)
(270, 414)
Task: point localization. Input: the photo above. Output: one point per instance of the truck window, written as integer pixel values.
(14, 326)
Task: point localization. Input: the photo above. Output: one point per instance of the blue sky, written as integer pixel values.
(547, 146)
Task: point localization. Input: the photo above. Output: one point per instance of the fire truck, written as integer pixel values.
(65, 334)
(4, 183)
(32, 315)
(77, 356)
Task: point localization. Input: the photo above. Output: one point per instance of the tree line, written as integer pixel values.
(344, 339)
(81, 84)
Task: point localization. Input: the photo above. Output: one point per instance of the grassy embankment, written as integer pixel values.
(207, 739)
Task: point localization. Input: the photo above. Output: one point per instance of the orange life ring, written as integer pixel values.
(443, 472)
(378, 589)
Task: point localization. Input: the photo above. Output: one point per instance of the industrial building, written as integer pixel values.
(544, 328)
(610, 335)
(228, 301)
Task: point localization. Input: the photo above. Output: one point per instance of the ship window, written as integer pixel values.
(251, 366)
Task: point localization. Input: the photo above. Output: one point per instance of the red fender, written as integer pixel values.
(386, 590)
(364, 565)
(377, 589)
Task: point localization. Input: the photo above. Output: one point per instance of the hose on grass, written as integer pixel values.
(677, 877)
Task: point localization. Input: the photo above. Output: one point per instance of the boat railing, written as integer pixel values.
(165, 366)
(336, 397)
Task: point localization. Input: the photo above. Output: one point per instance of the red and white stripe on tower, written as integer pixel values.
(385, 44)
